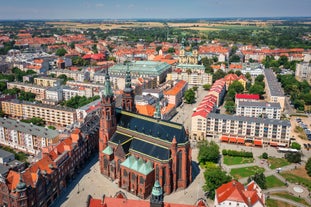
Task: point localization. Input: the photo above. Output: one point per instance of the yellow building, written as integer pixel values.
(47, 81)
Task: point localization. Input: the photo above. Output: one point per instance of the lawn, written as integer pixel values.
(298, 175)
(277, 162)
(273, 182)
(243, 172)
(290, 197)
(274, 203)
(229, 160)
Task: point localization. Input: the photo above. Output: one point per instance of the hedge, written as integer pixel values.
(235, 153)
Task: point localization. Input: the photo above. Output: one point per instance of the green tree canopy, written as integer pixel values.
(308, 167)
(230, 106)
(260, 179)
(79, 101)
(234, 59)
(189, 96)
(207, 87)
(214, 178)
(236, 86)
(293, 157)
(256, 89)
(35, 120)
(218, 75)
(208, 152)
(265, 155)
(296, 146)
(60, 52)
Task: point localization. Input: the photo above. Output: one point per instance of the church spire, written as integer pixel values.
(157, 113)
(128, 80)
(107, 92)
(156, 199)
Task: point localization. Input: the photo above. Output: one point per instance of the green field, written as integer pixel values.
(290, 197)
(277, 162)
(293, 178)
(274, 203)
(246, 171)
(273, 182)
(229, 160)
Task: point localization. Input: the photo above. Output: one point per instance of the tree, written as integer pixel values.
(260, 78)
(265, 155)
(208, 152)
(207, 87)
(256, 89)
(52, 127)
(234, 59)
(171, 50)
(293, 157)
(299, 104)
(60, 52)
(260, 179)
(230, 107)
(238, 72)
(189, 96)
(248, 76)
(26, 96)
(214, 178)
(218, 75)
(308, 167)
(35, 120)
(236, 86)
(296, 146)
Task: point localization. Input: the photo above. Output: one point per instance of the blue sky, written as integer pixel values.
(115, 9)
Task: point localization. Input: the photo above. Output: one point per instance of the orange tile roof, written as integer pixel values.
(147, 109)
(176, 89)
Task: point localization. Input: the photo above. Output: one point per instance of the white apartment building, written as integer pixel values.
(258, 109)
(303, 71)
(76, 75)
(273, 89)
(250, 128)
(25, 137)
(193, 78)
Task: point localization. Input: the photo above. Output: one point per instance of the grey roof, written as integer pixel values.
(4, 170)
(28, 128)
(249, 119)
(4, 153)
(259, 104)
(56, 107)
(273, 84)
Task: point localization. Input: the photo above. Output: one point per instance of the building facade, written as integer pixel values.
(303, 72)
(25, 137)
(137, 150)
(53, 115)
(259, 109)
(39, 91)
(273, 89)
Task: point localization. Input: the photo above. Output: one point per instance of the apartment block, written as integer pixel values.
(175, 94)
(35, 89)
(258, 109)
(53, 115)
(47, 81)
(193, 78)
(25, 137)
(75, 75)
(273, 89)
(303, 71)
(248, 128)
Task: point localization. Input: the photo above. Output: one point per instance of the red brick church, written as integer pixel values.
(136, 150)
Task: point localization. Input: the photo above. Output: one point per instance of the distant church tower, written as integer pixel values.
(128, 93)
(156, 199)
(108, 122)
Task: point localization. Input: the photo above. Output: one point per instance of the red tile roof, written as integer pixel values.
(247, 96)
(176, 89)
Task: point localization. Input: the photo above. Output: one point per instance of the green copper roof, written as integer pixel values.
(108, 151)
(21, 186)
(138, 165)
(157, 189)
(191, 66)
(141, 68)
(157, 113)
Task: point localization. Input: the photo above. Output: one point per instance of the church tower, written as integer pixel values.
(108, 122)
(156, 199)
(128, 93)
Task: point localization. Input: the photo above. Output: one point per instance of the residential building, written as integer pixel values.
(258, 109)
(53, 115)
(47, 81)
(44, 180)
(39, 91)
(246, 97)
(54, 94)
(258, 130)
(80, 76)
(236, 194)
(156, 200)
(273, 88)
(25, 137)
(303, 72)
(192, 78)
(136, 150)
(143, 69)
(176, 93)
(230, 78)
(218, 89)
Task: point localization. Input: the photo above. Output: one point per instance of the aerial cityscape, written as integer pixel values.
(155, 104)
